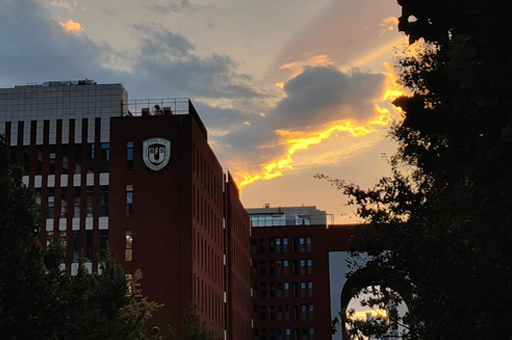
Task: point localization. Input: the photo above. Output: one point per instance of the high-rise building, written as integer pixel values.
(138, 178)
(298, 264)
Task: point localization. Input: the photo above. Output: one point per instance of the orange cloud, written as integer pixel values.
(299, 140)
(297, 67)
(71, 26)
(388, 24)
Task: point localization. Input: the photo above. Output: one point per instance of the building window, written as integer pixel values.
(51, 203)
(53, 156)
(65, 159)
(88, 246)
(304, 312)
(128, 255)
(302, 245)
(254, 246)
(272, 313)
(103, 244)
(278, 245)
(76, 247)
(279, 267)
(129, 200)
(104, 201)
(63, 236)
(302, 267)
(261, 268)
(263, 313)
(91, 152)
(261, 246)
(310, 267)
(271, 268)
(310, 289)
(286, 264)
(308, 244)
(26, 160)
(63, 205)
(311, 315)
(38, 197)
(285, 245)
(279, 286)
(89, 207)
(286, 289)
(78, 159)
(76, 213)
(270, 245)
(105, 157)
(129, 155)
(39, 161)
(303, 289)
(262, 291)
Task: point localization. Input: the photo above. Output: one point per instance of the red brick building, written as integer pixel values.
(140, 177)
(298, 269)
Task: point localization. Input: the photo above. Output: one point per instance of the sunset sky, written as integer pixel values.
(286, 88)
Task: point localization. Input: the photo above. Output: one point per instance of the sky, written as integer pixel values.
(286, 88)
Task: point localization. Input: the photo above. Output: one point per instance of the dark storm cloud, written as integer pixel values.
(324, 94)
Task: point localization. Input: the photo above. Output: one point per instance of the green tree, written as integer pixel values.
(191, 328)
(439, 229)
(22, 269)
(38, 300)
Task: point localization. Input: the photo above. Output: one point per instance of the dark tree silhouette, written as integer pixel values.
(442, 223)
(40, 301)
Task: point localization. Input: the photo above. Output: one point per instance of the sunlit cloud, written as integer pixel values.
(297, 67)
(388, 25)
(71, 26)
(64, 5)
(363, 314)
(296, 140)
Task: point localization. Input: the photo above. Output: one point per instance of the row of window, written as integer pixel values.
(284, 313)
(283, 290)
(80, 249)
(306, 333)
(81, 156)
(74, 199)
(282, 267)
(281, 245)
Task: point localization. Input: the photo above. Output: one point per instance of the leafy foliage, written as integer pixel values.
(191, 328)
(40, 301)
(439, 229)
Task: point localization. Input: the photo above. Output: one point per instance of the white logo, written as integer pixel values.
(156, 153)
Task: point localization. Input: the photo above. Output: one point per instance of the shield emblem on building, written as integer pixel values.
(156, 153)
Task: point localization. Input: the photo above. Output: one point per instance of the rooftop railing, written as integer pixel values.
(156, 107)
